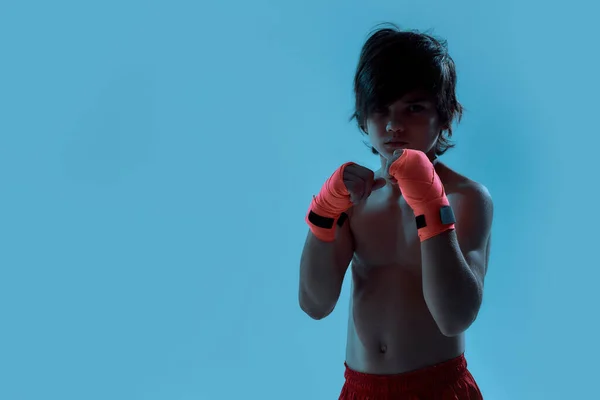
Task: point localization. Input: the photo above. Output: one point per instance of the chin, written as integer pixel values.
(388, 151)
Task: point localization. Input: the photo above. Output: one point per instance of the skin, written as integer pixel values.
(411, 302)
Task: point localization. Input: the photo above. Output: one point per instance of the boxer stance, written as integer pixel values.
(416, 233)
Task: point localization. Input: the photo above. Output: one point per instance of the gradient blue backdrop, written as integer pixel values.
(157, 159)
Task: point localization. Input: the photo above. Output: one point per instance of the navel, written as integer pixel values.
(382, 348)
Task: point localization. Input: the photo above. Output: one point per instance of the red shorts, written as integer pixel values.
(450, 380)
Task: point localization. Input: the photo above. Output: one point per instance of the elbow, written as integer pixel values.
(458, 323)
(314, 311)
(452, 330)
(314, 314)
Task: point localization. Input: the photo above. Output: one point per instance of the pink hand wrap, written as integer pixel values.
(327, 207)
(424, 193)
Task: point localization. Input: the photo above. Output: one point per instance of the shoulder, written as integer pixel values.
(472, 204)
(473, 194)
(462, 188)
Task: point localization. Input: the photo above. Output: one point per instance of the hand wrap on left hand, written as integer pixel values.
(424, 193)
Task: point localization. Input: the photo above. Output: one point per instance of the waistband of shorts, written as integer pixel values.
(434, 375)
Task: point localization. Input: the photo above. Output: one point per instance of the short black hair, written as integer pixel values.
(394, 62)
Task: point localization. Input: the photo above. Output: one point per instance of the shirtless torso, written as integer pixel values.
(390, 328)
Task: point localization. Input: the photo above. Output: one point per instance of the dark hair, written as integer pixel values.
(394, 62)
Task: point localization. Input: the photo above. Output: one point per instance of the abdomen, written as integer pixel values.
(390, 329)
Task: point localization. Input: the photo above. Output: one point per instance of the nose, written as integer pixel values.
(394, 124)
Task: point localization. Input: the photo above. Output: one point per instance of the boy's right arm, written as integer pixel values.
(323, 266)
(329, 247)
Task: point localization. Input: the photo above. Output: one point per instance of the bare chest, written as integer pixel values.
(385, 233)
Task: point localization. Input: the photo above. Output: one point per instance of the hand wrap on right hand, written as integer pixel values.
(327, 207)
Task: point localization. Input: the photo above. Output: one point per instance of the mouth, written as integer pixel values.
(397, 144)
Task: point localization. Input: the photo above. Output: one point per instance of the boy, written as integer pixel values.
(416, 232)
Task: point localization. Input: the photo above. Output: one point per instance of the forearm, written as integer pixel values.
(452, 291)
(321, 277)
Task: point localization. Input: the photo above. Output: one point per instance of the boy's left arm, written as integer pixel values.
(453, 245)
(454, 262)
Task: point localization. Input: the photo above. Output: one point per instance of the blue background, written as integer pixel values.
(142, 144)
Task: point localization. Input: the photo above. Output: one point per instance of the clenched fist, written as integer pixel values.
(360, 182)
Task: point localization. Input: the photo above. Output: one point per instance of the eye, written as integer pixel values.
(415, 108)
(381, 111)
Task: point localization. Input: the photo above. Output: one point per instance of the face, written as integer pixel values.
(411, 122)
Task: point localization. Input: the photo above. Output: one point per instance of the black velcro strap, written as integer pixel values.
(342, 219)
(319, 221)
(421, 223)
(446, 217)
